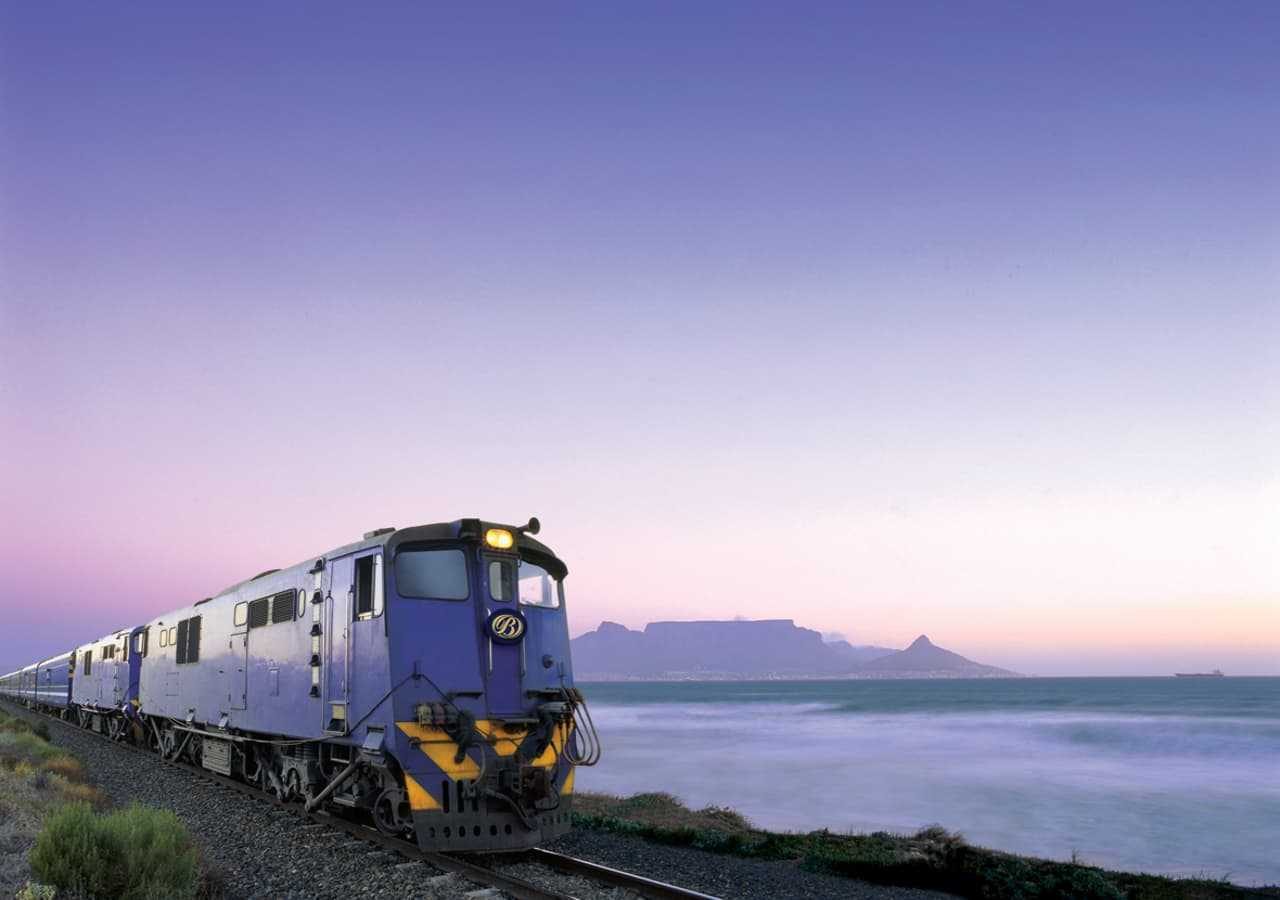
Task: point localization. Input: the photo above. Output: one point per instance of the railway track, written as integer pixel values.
(482, 869)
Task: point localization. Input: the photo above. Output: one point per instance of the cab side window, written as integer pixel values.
(502, 580)
(368, 587)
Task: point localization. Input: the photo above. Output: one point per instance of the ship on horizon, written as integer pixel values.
(1216, 673)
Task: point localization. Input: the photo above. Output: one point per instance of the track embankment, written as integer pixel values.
(253, 849)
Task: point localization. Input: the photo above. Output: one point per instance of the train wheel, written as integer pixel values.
(391, 812)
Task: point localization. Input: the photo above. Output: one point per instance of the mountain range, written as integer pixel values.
(768, 648)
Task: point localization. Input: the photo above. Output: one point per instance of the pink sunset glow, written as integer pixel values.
(1027, 405)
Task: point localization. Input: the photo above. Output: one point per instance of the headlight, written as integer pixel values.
(499, 539)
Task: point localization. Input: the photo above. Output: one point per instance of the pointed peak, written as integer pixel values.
(920, 643)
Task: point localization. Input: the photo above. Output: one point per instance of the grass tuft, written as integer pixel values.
(67, 766)
(75, 792)
(137, 853)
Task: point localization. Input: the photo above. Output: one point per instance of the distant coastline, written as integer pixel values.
(757, 650)
(773, 676)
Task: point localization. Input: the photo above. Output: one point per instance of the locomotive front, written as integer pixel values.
(488, 725)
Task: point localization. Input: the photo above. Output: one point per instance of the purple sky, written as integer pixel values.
(933, 317)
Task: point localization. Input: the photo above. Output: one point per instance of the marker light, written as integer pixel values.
(499, 539)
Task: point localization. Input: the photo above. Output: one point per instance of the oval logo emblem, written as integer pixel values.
(506, 627)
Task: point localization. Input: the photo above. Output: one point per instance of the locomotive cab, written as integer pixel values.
(485, 729)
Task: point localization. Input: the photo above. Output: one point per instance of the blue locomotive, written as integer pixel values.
(420, 677)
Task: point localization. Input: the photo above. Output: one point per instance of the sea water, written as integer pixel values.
(1167, 775)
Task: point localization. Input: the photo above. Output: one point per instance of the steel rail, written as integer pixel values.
(648, 887)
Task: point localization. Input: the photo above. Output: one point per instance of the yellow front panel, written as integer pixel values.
(419, 798)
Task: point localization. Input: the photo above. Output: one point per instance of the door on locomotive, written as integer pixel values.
(502, 627)
(237, 666)
(117, 689)
(367, 672)
(136, 641)
(521, 596)
(337, 629)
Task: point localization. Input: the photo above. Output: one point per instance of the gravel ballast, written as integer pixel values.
(254, 849)
(730, 877)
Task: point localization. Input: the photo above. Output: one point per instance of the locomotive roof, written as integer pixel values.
(460, 529)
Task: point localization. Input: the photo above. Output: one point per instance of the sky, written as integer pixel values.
(888, 318)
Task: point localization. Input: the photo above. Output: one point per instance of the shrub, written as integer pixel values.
(23, 746)
(661, 811)
(135, 854)
(41, 730)
(66, 766)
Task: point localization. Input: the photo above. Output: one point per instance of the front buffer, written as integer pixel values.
(480, 785)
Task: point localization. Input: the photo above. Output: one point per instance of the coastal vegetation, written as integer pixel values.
(77, 845)
(931, 858)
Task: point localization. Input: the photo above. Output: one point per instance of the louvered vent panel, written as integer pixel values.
(182, 641)
(282, 607)
(193, 640)
(259, 612)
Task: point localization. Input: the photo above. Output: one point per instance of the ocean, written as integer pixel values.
(1165, 775)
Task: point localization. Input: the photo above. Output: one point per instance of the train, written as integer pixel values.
(419, 679)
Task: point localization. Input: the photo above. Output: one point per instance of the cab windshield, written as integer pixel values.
(432, 574)
(536, 586)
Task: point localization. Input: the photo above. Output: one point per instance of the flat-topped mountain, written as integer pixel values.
(769, 648)
(739, 649)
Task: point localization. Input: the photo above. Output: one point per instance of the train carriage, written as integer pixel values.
(53, 684)
(100, 684)
(27, 684)
(9, 686)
